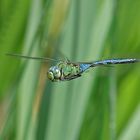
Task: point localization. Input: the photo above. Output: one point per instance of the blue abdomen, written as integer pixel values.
(84, 67)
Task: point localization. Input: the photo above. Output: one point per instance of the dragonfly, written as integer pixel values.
(65, 70)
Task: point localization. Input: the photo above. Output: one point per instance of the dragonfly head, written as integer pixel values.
(54, 73)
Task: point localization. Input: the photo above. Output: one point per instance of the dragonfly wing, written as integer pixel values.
(31, 57)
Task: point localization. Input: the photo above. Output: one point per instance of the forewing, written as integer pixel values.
(31, 57)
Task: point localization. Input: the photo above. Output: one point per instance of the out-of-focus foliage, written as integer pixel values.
(103, 104)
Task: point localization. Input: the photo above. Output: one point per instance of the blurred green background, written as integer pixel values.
(104, 104)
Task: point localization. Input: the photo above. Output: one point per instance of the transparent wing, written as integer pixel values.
(31, 57)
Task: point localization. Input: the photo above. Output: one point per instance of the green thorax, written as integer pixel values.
(68, 69)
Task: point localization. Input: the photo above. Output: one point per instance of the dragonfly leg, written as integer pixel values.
(72, 77)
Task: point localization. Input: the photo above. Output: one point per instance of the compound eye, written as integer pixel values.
(50, 75)
(57, 73)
